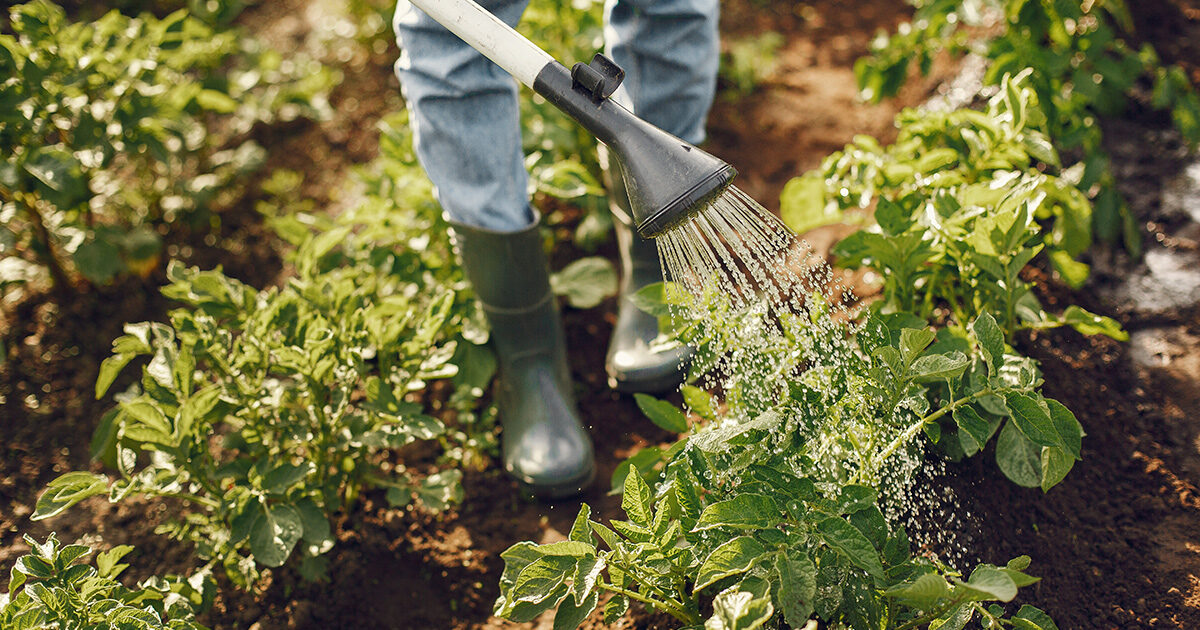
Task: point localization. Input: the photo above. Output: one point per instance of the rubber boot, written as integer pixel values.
(544, 444)
(633, 365)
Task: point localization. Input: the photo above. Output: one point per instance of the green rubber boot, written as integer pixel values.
(544, 444)
(633, 365)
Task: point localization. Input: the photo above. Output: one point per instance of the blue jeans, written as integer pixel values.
(464, 108)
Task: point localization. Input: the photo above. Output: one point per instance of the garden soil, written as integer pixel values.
(1117, 543)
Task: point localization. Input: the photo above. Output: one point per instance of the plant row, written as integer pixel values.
(1083, 63)
(113, 128)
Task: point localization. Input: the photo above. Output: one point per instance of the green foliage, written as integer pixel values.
(775, 510)
(586, 282)
(109, 128)
(1082, 68)
(749, 61)
(960, 209)
(51, 588)
(268, 411)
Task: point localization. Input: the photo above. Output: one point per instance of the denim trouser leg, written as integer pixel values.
(465, 120)
(464, 108)
(669, 50)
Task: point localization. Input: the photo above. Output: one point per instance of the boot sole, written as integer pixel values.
(656, 385)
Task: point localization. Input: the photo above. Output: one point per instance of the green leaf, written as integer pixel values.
(274, 534)
(587, 573)
(570, 615)
(1032, 419)
(1069, 431)
(743, 606)
(146, 423)
(98, 260)
(59, 178)
(746, 511)
(441, 490)
(317, 532)
(1073, 272)
(923, 592)
(567, 548)
(109, 369)
(855, 498)
(892, 218)
(66, 491)
(914, 341)
(107, 561)
(541, 579)
(699, 401)
(802, 204)
(586, 282)
(197, 407)
(279, 479)
(644, 461)
(616, 608)
(216, 101)
(580, 530)
(662, 413)
(956, 618)
(1056, 463)
(973, 430)
(1092, 324)
(846, 539)
(989, 583)
(637, 498)
(1019, 459)
(897, 549)
(733, 557)
(991, 341)
(938, 367)
(476, 366)
(609, 537)
(797, 579)
(1038, 146)
(653, 299)
(1030, 618)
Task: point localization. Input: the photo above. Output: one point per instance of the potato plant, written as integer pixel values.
(269, 411)
(109, 128)
(1081, 64)
(775, 508)
(51, 588)
(960, 209)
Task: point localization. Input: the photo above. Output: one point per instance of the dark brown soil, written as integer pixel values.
(1118, 543)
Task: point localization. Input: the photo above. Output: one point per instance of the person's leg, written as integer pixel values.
(465, 120)
(467, 136)
(669, 50)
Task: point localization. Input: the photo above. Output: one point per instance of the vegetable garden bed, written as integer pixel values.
(1114, 542)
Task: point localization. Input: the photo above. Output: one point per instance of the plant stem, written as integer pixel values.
(933, 614)
(671, 607)
(912, 431)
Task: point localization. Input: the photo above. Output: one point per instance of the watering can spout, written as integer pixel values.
(667, 178)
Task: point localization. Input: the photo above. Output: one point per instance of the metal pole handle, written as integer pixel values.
(489, 35)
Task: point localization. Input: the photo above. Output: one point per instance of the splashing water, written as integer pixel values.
(782, 317)
(735, 246)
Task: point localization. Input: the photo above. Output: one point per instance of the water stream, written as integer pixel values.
(774, 315)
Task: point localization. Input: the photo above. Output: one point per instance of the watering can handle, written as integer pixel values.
(489, 35)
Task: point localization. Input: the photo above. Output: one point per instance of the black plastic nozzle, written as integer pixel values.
(668, 179)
